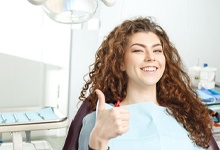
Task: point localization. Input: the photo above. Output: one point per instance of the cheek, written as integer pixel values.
(131, 63)
(163, 63)
(163, 59)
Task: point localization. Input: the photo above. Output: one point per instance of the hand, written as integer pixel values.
(110, 123)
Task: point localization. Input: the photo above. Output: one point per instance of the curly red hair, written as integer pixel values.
(174, 90)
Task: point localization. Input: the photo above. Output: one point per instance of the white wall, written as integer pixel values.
(193, 27)
(84, 47)
(34, 53)
(29, 36)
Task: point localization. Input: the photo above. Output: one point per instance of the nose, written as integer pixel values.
(149, 56)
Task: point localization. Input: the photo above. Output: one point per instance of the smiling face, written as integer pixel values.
(144, 60)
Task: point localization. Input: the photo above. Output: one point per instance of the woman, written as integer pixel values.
(138, 67)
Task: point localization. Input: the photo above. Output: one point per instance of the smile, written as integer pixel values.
(149, 68)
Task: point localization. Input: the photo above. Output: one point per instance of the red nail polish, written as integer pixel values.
(117, 104)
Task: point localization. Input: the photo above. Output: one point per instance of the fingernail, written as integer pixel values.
(96, 91)
(117, 104)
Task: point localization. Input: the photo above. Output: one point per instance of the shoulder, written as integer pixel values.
(87, 126)
(89, 119)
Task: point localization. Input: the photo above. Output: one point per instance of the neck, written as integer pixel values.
(135, 95)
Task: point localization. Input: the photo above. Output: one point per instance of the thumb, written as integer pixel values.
(101, 100)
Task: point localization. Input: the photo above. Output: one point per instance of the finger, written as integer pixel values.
(101, 99)
(125, 123)
(125, 118)
(123, 128)
(123, 110)
(124, 114)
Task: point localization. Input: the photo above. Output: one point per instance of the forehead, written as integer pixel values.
(147, 38)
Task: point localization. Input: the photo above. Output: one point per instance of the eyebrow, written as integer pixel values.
(144, 46)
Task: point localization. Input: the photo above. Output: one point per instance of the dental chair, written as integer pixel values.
(71, 142)
(27, 120)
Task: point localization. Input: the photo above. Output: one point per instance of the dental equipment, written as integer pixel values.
(70, 11)
(3, 119)
(27, 117)
(16, 119)
(15, 122)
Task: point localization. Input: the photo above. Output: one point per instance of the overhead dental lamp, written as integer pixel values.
(70, 11)
(37, 2)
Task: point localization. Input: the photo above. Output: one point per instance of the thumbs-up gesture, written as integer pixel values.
(110, 123)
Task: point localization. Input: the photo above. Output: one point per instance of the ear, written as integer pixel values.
(122, 67)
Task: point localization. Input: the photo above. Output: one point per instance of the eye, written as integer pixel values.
(157, 51)
(137, 50)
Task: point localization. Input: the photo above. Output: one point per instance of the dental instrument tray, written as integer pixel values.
(37, 116)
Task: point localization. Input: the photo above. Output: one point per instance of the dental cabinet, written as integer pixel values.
(215, 106)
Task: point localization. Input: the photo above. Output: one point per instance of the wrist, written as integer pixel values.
(97, 143)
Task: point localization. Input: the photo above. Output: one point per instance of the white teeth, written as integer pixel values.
(149, 69)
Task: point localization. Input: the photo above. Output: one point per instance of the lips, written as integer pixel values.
(151, 68)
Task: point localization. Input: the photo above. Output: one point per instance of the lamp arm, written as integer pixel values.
(109, 3)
